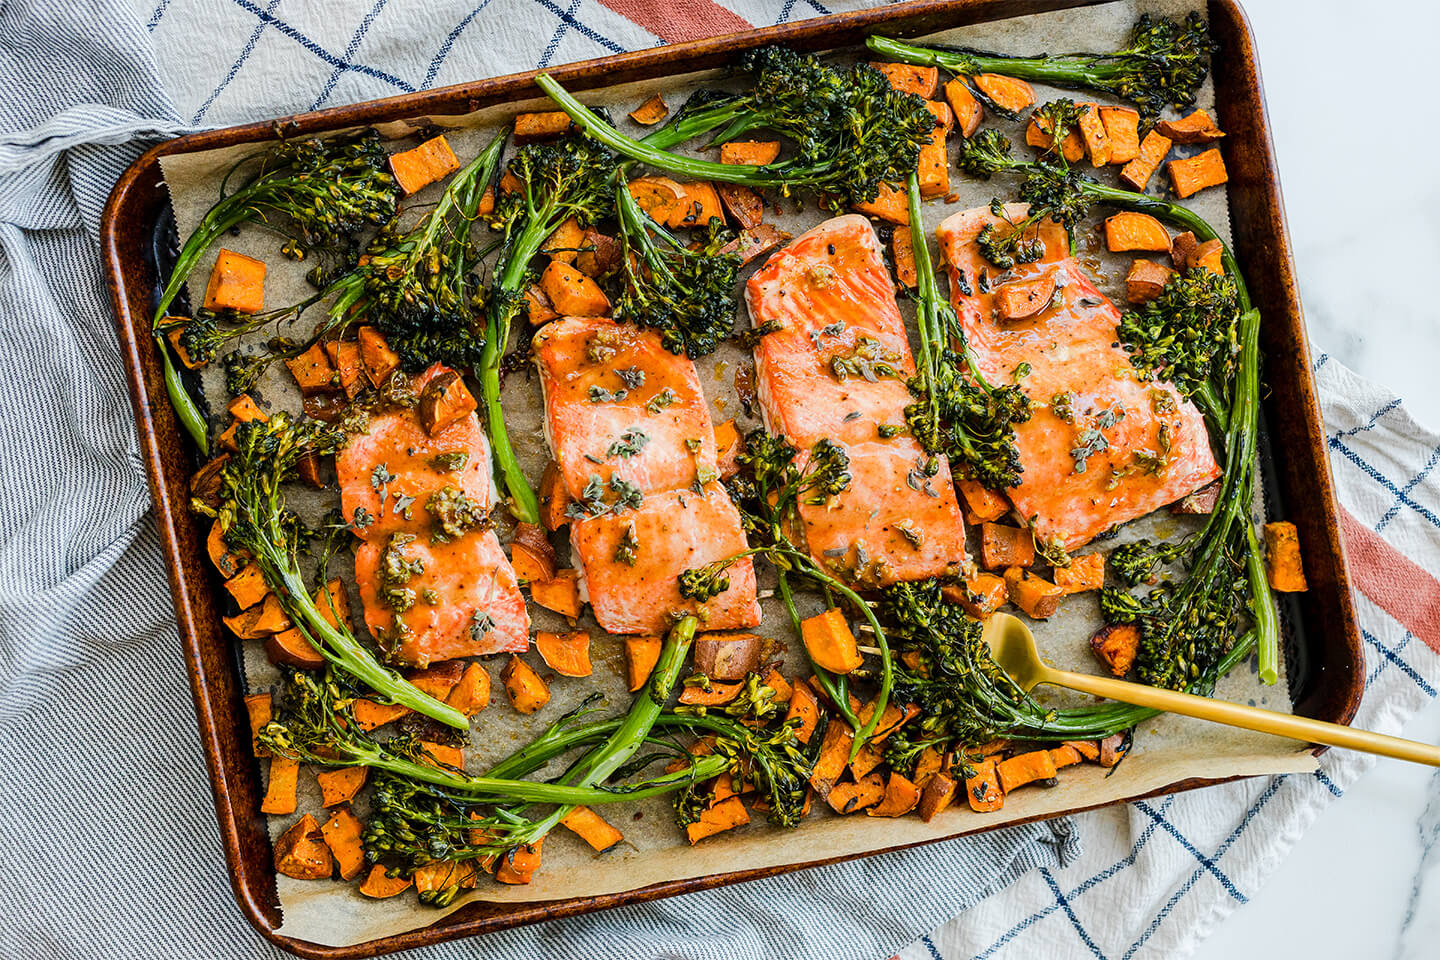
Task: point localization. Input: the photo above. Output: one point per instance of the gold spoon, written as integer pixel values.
(1013, 647)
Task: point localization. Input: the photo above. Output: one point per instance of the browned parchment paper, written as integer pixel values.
(1167, 749)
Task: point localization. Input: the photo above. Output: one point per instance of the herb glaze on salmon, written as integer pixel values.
(1102, 447)
(833, 362)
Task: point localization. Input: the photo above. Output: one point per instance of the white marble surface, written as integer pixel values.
(1364, 882)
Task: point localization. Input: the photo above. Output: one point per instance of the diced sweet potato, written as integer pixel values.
(1113, 749)
(984, 503)
(894, 717)
(438, 680)
(903, 253)
(313, 372)
(568, 654)
(728, 656)
(380, 361)
(1025, 768)
(1208, 255)
(1089, 749)
(261, 620)
(1196, 127)
(1065, 756)
(641, 655)
(340, 785)
(726, 815)
(301, 853)
(937, 794)
(307, 471)
(1128, 230)
(534, 127)
(281, 786)
(980, 595)
(486, 206)
(227, 561)
(531, 554)
(246, 410)
(571, 293)
(1084, 573)
(934, 164)
(439, 754)
(755, 153)
(944, 116)
(909, 78)
(745, 206)
(370, 715)
(1153, 148)
(830, 642)
(472, 693)
(442, 875)
(444, 401)
(1282, 558)
(237, 282)
(291, 649)
(1024, 299)
(855, 796)
(782, 687)
(890, 204)
(342, 835)
(248, 587)
(1122, 126)
(659, 197)
(804, 705)
(1116, 645)
(983, 790)
(205, 483)
(173, 335)
(560, 593)
(564, 244)
(1092, 131)
(931, 762)
(258, 707)
(592, 828)
(525, 688)
(518, 866)
(1037, 134)
(1193, 174)
(1035, 595)
(650, 112)
(834, 756)
(1182, 250)
(868, 758)
(1146, 280)
(430, 162)
(599, 254)
(1007, 93)
(727, 448)
(1002, 547)
(554, 498)
(717, 695)
(967, 110)
(378, 886)
(755, 242)
(698, 206)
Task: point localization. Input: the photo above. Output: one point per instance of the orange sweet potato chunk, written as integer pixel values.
(237, 282)
(428, 163)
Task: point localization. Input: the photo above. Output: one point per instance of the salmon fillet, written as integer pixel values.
(615, 399)
(1102, 447)
(674, 531)
(477, 606)
(391, 468)
(836, 368)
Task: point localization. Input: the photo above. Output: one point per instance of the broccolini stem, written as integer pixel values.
(187, 411)
(1082, 71)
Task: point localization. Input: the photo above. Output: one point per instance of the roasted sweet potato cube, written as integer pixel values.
(804, 705)
(830, 642)
(1193, 174)
(1182, 250)
(258, 707)
(246, 410)
(290, 648)
(983, 790)
(650, 112)
(1196, 127)
(1089, 749)
(934, 164)
(262, 620)
(1153, 148)
(301, 853)
(784, 690)
(937, 794)
(1128, 230)
(984, 503)
(902, 252)
(1035, 595)
(1024, 299)
(756, 153)
(909, 78)
(568, 654)
(430, 162)
(370, 715)
(727, 448)
(237, 282)
(174, 335)
(554, 498)
(698, 206)
(531, 554)
(340, 785)
(564, 244)
(525, 688)
(1065, 756)
(866, 759)
(443, 875)
(1007, 93)
(472, 693)
(560, 593)
(281, 785)
(745, 206)
(1116, 645)
(659, 197)
(901, 796)
(1146, 280)
(378, 886)
(1092, 131)
(1282, 558)
(518, 866)
(444, 401)
(964, 106)
(725, 815)
(313, 372)
(1209, 255)
(571, 293)
(755, 242)
(854, 796)
(1114, 748)
(641, 655)
(890, 204)
(438, 679)
(342, 835)
(534, 127)
(599, 254)
(379, 360)
(980, 595)
(592, 828)
(715, 695)
(834, 756)
(444, 754)
(1037, 134)
(1025, 768)
(1122, 126)
(1084, 573)
(1002, 547)
(728, 656)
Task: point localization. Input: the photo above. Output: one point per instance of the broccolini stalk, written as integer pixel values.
(253, 517)
(688, 295)
(319, 193)
(1162, 64)
(572, 177)
(957, 414)
(853, 132)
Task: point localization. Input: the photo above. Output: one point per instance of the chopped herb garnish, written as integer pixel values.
(632, 377)
(450, 462)
(661, 400)
(403, 503)
(888, 430)
(869, 359)
(430, 596)
(1062, 406)
(692, 444)
(396, 569)
(481, 623)
(919, 476)
(628, 549)
(455, 514)
(631, 442)
(852, 416)
(380, 480)
(362, 519)
(599, 394)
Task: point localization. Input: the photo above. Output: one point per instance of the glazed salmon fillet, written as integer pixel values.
(393, 468)
(477, 606)
(834, 365)
(1101, 447)
(615, 399)
(673, 531)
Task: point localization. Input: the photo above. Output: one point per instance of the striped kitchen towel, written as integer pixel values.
(105, 818)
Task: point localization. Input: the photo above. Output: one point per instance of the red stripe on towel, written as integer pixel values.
(677, 20)
(1396, 584)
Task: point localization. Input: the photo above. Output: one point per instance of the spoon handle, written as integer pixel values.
(1248, 718)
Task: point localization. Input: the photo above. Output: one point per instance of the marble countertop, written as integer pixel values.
(1372, 858)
